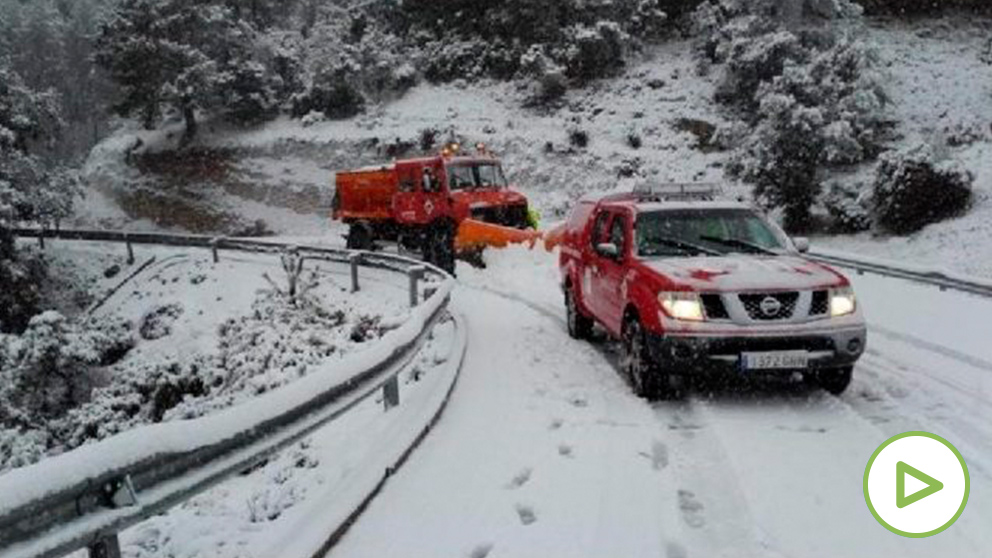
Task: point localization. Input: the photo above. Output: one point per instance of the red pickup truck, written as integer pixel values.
(690, 286)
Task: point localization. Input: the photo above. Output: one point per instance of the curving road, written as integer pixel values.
(545, 452)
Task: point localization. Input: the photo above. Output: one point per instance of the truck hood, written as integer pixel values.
(742, 272)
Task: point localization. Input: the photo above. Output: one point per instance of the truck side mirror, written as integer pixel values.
(801, 243)
(608, 250)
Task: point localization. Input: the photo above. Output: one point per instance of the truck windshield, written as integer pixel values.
(482, 175)
(705, 231)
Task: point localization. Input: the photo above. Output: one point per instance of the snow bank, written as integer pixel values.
(130, 448)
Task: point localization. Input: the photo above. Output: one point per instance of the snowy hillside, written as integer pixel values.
(941, 87)
(282, 173)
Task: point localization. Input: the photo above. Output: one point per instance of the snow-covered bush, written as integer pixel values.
(796, 73)
(594, 52)
(548, 82)
(913, 189)
(47, 369)
(781, 157)
(848, 207)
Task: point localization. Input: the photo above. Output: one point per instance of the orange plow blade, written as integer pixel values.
(473, 235)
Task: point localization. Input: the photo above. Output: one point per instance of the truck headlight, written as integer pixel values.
(682, 305)
(842, 301)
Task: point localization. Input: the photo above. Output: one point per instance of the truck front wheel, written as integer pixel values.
(439, 247)
(359, 237)
(649, 379)
(835, 380)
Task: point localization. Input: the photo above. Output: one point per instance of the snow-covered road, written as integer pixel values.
(544, 451)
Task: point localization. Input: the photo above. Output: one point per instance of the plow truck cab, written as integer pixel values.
(422, 203)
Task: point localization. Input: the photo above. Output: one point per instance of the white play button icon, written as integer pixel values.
(916, 484)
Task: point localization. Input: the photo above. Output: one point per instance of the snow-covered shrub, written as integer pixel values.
(578, 138)
(796, 73)
(594, 52)
(157, 323)
(913, 189)
(251, 93)
(313, 117)
(332, 94)
(47, 368)
(781, 157)
(548, 82)
(848, 207)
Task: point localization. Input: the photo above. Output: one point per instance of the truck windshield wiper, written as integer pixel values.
(682, 245)
(737, 243)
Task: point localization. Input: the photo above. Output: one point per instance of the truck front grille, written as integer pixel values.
(769, 306)
(820, 304)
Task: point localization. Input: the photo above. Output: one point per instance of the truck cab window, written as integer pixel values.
(599, 229)
(429, 183)
(461, 177)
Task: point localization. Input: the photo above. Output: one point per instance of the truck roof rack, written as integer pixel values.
(678, 191)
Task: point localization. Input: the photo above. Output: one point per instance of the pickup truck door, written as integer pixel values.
(608, 278)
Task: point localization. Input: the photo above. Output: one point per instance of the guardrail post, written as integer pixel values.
(354, 260)
(41, 239)
(213, 248)
(107, 547)
(115, 494)
(415, 274)
(130, 249)
(391, 392)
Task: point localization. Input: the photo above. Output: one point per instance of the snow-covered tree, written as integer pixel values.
(810, 93)
(29, 190)
(187, 55)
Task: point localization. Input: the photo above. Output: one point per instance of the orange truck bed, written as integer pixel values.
(365, 193)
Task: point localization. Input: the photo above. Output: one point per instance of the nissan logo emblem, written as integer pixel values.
(770, 306)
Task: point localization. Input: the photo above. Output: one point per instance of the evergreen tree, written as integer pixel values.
(184, 55)
(29, 190)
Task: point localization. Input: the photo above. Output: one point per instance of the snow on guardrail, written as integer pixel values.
(942, 278)
(84, 497)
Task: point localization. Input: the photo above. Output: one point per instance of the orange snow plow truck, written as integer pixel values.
(441, 206)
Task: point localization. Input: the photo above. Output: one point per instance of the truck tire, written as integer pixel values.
(649, 379)
(835, 380)
(359, 237)
(439, 248)
(579, 325)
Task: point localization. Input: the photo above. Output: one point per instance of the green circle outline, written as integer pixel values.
(964, 467)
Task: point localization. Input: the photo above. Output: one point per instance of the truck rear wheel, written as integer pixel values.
(359, 237)
(579, 326)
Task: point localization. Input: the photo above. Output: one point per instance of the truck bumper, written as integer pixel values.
(702, 353)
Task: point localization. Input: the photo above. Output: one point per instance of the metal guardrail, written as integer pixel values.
(103, 488)
(928, 277)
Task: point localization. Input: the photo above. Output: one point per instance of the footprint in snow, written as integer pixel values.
(555, 424)
(481, 551)
(526, 514)
(692, 509)
(659, 455)
(675, 550)
(565, 450)
(520, 479)
(579, 402)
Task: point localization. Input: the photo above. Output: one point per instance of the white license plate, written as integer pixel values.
(775, 360)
